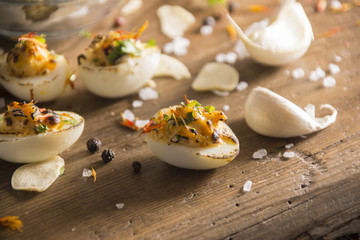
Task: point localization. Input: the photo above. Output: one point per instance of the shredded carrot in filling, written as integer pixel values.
(12, 222)
(190, 124)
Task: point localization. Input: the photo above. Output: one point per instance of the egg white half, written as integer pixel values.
(44, 88)
(35, 148)
(121, 79)
(197, 158)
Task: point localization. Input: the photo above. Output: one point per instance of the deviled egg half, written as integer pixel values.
(30, 71)
(192, 136)
(31, 134)
(118, 64)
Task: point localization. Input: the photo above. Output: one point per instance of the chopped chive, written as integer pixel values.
(209, 108)
(62, 170)
(189, 117)
(41, 128)
(151, 43)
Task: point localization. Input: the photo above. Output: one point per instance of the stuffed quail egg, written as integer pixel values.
(30, 71)
(118, 64)
(31, 134)
(192, 136)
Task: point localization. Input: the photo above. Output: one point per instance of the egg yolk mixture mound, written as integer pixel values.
(30, 57)
(28, 119)
(190, 124)
(108, 50)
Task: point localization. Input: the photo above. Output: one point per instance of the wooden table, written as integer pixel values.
(314, 195)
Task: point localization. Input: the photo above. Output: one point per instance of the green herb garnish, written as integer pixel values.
(194, 103)
(216, 2)
(189, 117)
(70, 121)
(62, 170)
(123, 47)
(209, 108)
(151, 43)
(166, 117)
(41, 128)
(41, 38)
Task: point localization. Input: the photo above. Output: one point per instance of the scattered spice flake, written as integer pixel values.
(258, 8)
(232, 32)
(12, 222)
(320, 5)
(93, 173)
(127, 123)
(330, 32)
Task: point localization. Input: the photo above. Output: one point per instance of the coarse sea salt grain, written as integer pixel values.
(288, 154)
(148, 93)
(137, 103)
(86, 172)
(259, 154)
(329, 81)
(221, 93)
(247, 186)
(168, 47)
(316, 74)
(242, 86)
(226, 107)
(310, 109)
(298, 73)
(337, 58)
(206, 30)
(119, 205)
(141, 123)
(129, 115)
(334, 69)
(230, 57)
(220, 58)
(2, 102)
(336, 5)
(289, 145)
(240, 49)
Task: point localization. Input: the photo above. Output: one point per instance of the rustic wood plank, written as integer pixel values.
(314, 195)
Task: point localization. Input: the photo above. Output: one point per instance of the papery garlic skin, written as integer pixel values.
(286, 39)
(270, 114)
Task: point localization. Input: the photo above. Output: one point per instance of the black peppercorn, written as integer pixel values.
(136, 166)
(93, 144)
(107, 155)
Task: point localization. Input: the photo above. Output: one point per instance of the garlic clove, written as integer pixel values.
(37, 176)
(270, 114)
(286, 39)
(216, 76)
(174, 20)
(171, 67)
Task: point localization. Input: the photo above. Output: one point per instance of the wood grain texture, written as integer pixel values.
(315, 195)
